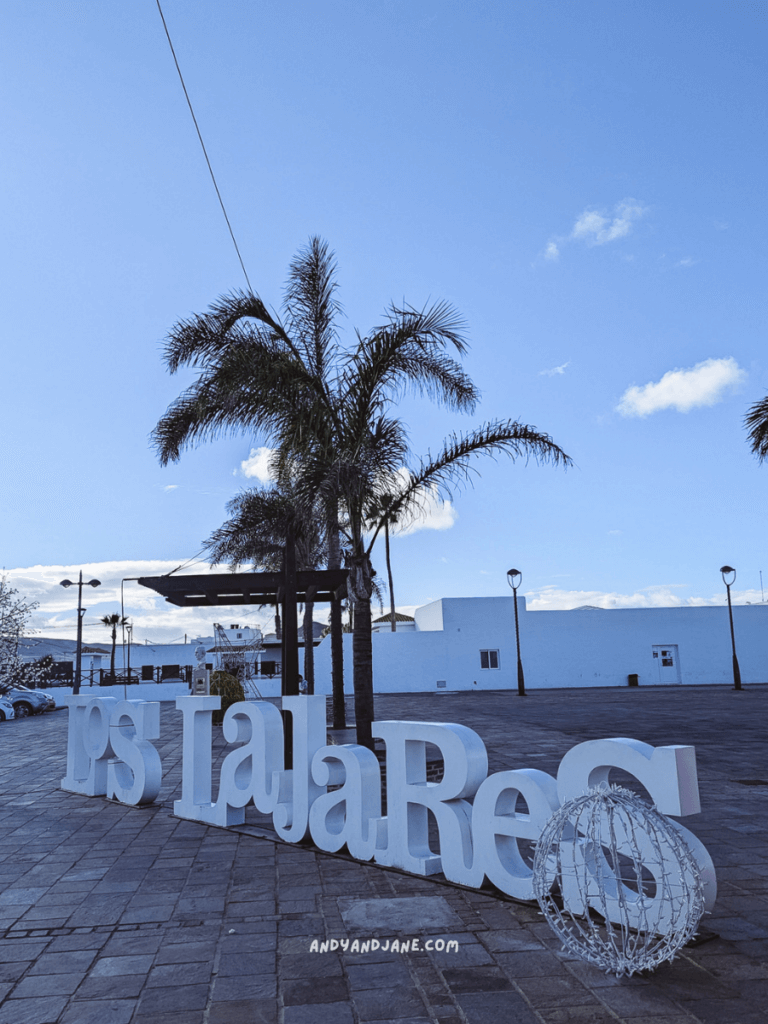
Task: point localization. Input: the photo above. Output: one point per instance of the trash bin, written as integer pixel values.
(633, 679)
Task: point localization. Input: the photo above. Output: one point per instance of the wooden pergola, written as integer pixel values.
(287, 589)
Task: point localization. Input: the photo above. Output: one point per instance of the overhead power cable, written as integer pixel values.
(205, 152)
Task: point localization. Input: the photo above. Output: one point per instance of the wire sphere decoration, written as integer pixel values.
(616, 881)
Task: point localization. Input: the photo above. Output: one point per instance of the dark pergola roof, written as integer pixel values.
(228, 588)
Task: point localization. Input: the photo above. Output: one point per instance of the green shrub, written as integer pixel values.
(229, 689)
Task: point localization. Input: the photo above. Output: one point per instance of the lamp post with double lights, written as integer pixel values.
(726, 570)
(80, 614)
(514, 579)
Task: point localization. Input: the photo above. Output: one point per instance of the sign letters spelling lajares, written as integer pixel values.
(477, 815)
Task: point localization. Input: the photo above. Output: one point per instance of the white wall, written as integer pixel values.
(558, 648)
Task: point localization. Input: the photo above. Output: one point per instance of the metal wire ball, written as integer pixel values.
(616, 881)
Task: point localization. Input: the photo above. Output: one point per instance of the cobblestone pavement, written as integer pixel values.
(111, 914)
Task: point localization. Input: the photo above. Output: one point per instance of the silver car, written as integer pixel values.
(6, 709)
(29, 702)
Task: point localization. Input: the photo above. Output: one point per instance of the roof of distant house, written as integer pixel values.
(399, 617)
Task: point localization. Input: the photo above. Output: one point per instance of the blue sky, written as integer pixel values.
(584, 182)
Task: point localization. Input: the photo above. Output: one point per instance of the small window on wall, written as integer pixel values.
(489, 659)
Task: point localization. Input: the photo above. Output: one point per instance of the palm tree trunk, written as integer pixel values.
(290, 685)
(112, 656)
(359, 587)
(337, 636)
(389, 576)
(309, 643)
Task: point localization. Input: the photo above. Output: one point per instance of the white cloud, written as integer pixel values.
(433, 513)
(687, 261)
(704, 384)
(556, 371)
(152, 617)
(597, 229)
(171, 487)
(257, 465)
(552, 598)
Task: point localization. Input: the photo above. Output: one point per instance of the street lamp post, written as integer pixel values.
(514, 579)
(129, 629)
(726, 570)
(80, 613)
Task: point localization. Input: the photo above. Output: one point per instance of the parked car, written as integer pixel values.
(6, 709)
(29, 702)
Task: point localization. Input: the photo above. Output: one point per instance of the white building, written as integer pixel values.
(469, 644)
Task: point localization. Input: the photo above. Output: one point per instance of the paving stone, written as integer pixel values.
(168, 999)
(47, 985)
(318, 1013)
(186, 1017)
(374, 976)
(63, 963)
(67, 943)
(244, 1011)
(113, 986)
(595, 1015)
(476, 979)
(44, 1010)
(295, 965)
(493, 1007)
(245, 986)
(11, 972)
(179, 974)
(133, 944)
(317, 990)
(396, 1002)
(21, 949)
(186, 953)
(99, 1011)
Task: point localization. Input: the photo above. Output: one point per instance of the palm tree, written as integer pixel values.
(325, 410)
(113, 621)
(261, 519)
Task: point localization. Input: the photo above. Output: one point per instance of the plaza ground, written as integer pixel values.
(111, 914)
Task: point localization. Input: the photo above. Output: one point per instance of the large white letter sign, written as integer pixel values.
(135, 773)
(88, 747)
(410, 796)
(298, 790)
(668, 773)
(350, 815)
(196, 755)
(497, 826)
(251, 772)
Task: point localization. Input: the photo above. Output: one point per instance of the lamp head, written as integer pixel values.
(66, 583)
(514, 578)
(725, 570)
(94, 583)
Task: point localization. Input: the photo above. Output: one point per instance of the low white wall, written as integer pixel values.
(136, 691)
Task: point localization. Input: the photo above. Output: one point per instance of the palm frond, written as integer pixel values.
(311, 306)
(260, 520)
(756, 421)
(201, 338)
(453, 465)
